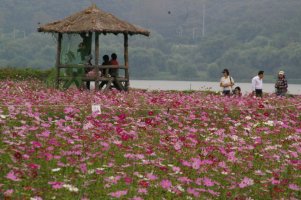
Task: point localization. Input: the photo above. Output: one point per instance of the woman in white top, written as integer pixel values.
(226, 82)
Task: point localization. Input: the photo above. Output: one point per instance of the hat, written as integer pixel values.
(281, 72)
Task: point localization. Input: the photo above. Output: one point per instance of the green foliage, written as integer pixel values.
(10, 73)
(76, 75)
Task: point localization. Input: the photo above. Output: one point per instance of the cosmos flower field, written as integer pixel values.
(147, 145)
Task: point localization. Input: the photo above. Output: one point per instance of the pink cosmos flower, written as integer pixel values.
(208, 182)
(178, 146)
(48, 156)
(196, 164)
(186, 163)
(118, 194)
(34, 166)
(151, 177)
(36, 144)
(294, 187)
(83, 168)
(246, 182)
(275, 181)
(128, 180)
(45, 133)
(56, 185)
(8, 193)
(142, 191)
(231, 156)
(193, 191)
(165, 184)
(143, 183)
(213, 192)
(122, 116)
(176, 169)
(11, 176)
(136, 198)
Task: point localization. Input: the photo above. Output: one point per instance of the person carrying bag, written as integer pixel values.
(226, 82)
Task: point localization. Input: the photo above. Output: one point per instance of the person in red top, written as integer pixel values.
(113, 61)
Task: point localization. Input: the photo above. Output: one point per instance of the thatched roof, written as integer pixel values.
(92, 19)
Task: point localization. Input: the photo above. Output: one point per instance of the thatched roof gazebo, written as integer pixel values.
(84, 24)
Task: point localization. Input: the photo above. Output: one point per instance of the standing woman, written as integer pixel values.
(281, 84)
(226, 82)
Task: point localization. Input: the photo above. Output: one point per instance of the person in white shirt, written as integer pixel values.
(257, 84)
(226, 82)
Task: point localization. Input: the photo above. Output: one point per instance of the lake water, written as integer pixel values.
(196, 85)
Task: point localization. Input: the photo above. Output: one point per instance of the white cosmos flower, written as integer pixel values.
(234, 137)
(269, 123)
(71, 188)
(247, 129)
(56, 169)
(237, 124)
(3, 116)
(180, 188)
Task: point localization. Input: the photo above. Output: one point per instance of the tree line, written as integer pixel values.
(190, 40)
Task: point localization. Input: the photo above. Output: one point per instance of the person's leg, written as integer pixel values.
(226, 92)
(258, 93)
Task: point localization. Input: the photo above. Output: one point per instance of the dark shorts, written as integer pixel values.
(258, 92)
(226, 92)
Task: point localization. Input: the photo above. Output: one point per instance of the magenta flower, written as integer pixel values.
(36, 144)
(34, 166)
(122, 116)
(128, 180)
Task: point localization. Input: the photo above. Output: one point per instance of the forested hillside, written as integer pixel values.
(190, 39)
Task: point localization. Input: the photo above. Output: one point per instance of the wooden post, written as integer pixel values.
(58, 59)
(96, 60)
(126, 61)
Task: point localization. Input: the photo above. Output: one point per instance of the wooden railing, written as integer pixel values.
(102, 75)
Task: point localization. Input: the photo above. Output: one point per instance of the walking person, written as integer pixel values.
(257, 84)
(226, 82)
(281, 84)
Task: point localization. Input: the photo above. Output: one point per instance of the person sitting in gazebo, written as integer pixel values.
(106, 61)
(113, 61)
